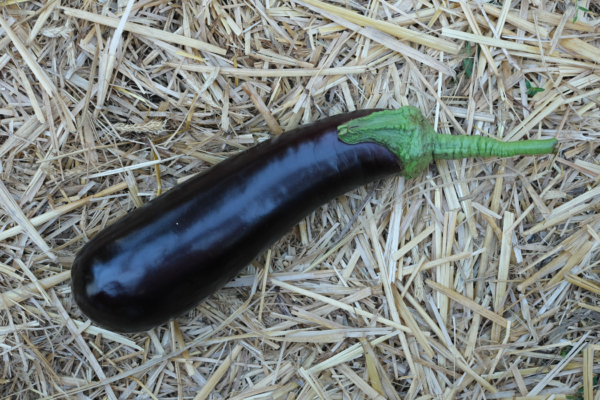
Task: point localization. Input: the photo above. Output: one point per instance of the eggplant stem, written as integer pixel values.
(410, 136)
(449, 147)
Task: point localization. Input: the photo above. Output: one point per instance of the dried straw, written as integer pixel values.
(478, 279)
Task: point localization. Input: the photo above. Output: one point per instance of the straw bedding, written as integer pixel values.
(477, 280)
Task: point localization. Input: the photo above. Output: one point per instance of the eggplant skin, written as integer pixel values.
(161, 260)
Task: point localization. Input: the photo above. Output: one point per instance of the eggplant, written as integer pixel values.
(161, 260)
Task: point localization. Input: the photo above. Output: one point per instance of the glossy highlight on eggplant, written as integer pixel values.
(161, 260)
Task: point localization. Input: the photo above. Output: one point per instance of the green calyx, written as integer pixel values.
(405, 132)
(410, 136)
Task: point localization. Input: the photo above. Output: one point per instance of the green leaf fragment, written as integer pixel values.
(532, 90)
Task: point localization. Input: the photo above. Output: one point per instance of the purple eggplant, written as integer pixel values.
(161, 260)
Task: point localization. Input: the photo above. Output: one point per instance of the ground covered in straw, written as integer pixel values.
(479, 279)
